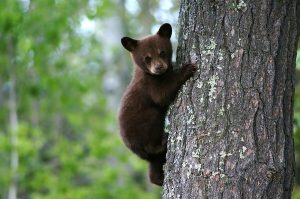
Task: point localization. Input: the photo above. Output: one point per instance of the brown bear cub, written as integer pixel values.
(144, 105)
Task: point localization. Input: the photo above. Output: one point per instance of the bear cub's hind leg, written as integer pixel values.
(156, 172)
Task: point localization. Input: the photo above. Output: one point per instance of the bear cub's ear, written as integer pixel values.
(129, 44)
(165, 30)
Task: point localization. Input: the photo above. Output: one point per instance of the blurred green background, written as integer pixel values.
(62, 73)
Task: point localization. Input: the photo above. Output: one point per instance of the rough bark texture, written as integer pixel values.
(230, 129)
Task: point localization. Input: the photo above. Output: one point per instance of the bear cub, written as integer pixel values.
(152, 89)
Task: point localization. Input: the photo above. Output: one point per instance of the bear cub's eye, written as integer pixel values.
(162, 54)
(148, 59)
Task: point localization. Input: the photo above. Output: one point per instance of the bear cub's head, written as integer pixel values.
(153, 54)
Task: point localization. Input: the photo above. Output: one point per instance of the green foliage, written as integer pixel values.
(296, 194)
(67, 137)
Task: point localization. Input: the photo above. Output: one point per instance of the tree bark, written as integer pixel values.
(230, 129)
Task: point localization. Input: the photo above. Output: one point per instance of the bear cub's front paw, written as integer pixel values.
(189, 69)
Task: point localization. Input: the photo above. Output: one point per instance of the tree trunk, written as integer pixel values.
(13, 122)
(230, 129)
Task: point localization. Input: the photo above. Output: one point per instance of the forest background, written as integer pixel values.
(62, 74)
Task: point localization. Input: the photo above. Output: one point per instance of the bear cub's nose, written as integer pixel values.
(159, 67)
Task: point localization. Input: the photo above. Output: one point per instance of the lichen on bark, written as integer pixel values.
(230, 129)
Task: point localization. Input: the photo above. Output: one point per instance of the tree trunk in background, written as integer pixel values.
(230, 131)
(13, 122)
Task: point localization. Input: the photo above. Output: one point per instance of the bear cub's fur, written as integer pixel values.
(144, 105)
